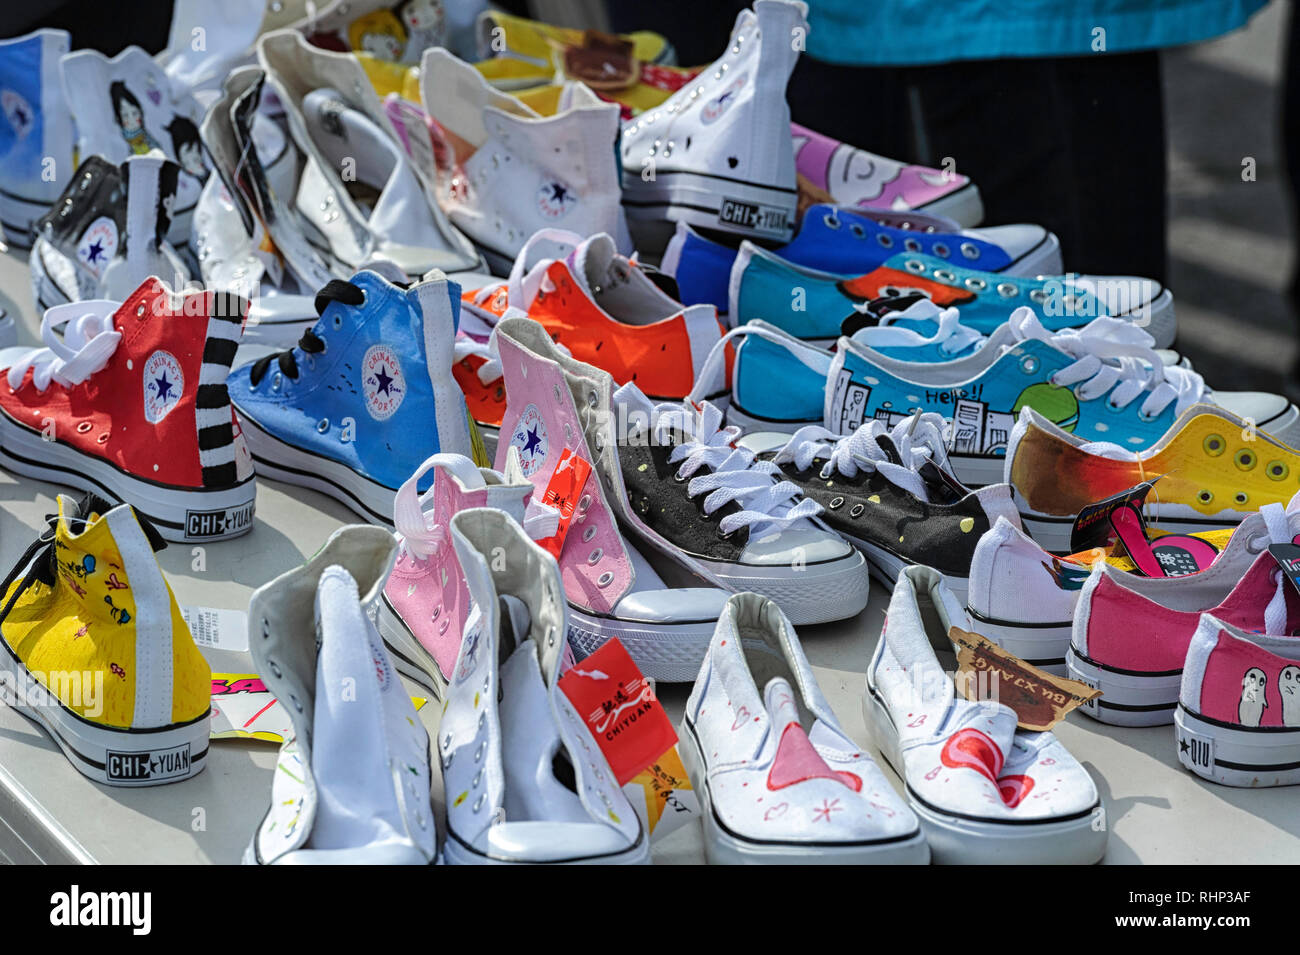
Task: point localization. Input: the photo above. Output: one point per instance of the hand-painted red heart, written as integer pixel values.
(970, 749)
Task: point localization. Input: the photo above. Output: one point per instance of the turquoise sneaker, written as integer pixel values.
(813, 305)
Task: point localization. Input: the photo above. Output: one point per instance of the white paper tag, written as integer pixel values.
(218, 629)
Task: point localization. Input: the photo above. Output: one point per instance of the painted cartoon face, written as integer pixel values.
(422, 14)
(852, 176)
(129, 116)
(381, 45)
(1288, 682)
(1252, 685)
(191, 159)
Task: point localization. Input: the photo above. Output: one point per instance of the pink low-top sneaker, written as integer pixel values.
(1131, 634)
(1238, 716)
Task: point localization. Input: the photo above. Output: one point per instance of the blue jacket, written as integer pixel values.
(916, 32)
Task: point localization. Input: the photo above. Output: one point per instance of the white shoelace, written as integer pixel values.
(85, 346)
(769, 502)
(951, 337)
(490, 371)
(1113, 355)
(918, 439)
(1279, 532)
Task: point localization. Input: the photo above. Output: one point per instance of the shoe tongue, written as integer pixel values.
(887, 445)
(88, 222)
(998, 723)
(596, 264)
(779, 698)
(90, 506)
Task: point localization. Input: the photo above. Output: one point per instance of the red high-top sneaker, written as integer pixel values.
(130, 401)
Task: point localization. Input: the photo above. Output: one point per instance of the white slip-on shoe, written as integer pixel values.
(352, 785)
(778, 778)
(986, 790)
(525, 780)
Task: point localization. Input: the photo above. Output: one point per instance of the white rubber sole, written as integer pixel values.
(1041, 644)
(1042, 259)
(965, 207)
(723, 847)
(280, 461)
(113, 757)
(707, 202)
(455, 852)
(885, 566)
(179, 514)
(959, 840)
(672, 653)
(978, 470)
(408, 655)
(1128, 699)
(1246, 757)
(815, 593)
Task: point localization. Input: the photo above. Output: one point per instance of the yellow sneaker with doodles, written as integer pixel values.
(94, 649)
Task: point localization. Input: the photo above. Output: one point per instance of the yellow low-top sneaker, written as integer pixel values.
(95, 650)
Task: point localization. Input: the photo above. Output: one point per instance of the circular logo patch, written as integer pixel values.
(164, 383)
(529, 437)
(555, 199)
(18, 111)
(98, 245)
(715, 107)
(382, 382)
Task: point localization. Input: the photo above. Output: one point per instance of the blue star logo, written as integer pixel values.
(559, 193)
(532, 442)
(163, 387)
(95, 251)
(385, 381)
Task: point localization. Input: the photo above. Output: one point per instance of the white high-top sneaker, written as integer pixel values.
(359, 195)
(228, 30)
(105, 235)
(246, 239)
(525, 780)
(518, 172)
(718, 153)
(127, 106)
(35, 128)
(353, 781)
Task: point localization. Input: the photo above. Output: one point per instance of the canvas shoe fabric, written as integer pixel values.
(718, 153)
(107, 233)
(835, 172)
(385, 206)
(364, 397)
(1023, 598)
(677, 485)
(889, 492)
(1061, 375)
(779, 780)
(525, 779)
(986, 790)
(35, 130)
(353, 776)
(128, 106)
(129, 400)
(1130, 634)
(1238, 716)
(813, 305)
(605, 310)
(659, 602)
(847, 243)
(425, 602)
(515, 172)
(1211, 468)
(88, 598)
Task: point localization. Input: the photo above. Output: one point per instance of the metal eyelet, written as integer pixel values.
(943, 275)
(976, 284)
(970, 250)
(679, 478)
(1240, 497)
(1205, 496)
(605, 579)
(1007, 290)
(482, 718)
(722, 536)
(858, 231)
(911, 245)
(588, 534)
(594, 557)
(912, 265)
(478, 753)
(84, 427)
(275, 669)
(1214, 445)
(584, 502)
(831, 221)
(478, 803)
(1037, 295)
(102, 438)
(835, 503)
(886, 241)
(856, 510)
(592, 398)
(338, 321)
(323, 425)
(139, 311)
(941, 249)
(276, 381)
(1277, 470)
(1245, 459)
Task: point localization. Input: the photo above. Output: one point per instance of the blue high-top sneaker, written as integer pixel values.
(365, 396)
(35, 131)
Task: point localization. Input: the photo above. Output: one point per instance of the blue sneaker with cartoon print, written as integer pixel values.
(812, 304)
(1098, 382)
(364, 397)
(850, 242)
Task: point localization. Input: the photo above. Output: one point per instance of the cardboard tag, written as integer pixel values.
(986, 671)
(563, 492)
(662, 795)
(1092, 527)
(620, 709)
(1288, 558)
(214, 629)
(243, 708)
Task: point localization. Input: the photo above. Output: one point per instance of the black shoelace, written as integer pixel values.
(336, 290)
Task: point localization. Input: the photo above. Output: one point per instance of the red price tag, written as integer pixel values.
(562, 493)
(620, 708)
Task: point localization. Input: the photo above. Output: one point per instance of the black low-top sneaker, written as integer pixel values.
(891, 493)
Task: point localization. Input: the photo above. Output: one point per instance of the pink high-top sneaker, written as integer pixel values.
(1238, 716)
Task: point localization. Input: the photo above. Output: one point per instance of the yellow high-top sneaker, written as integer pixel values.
(93, 648)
